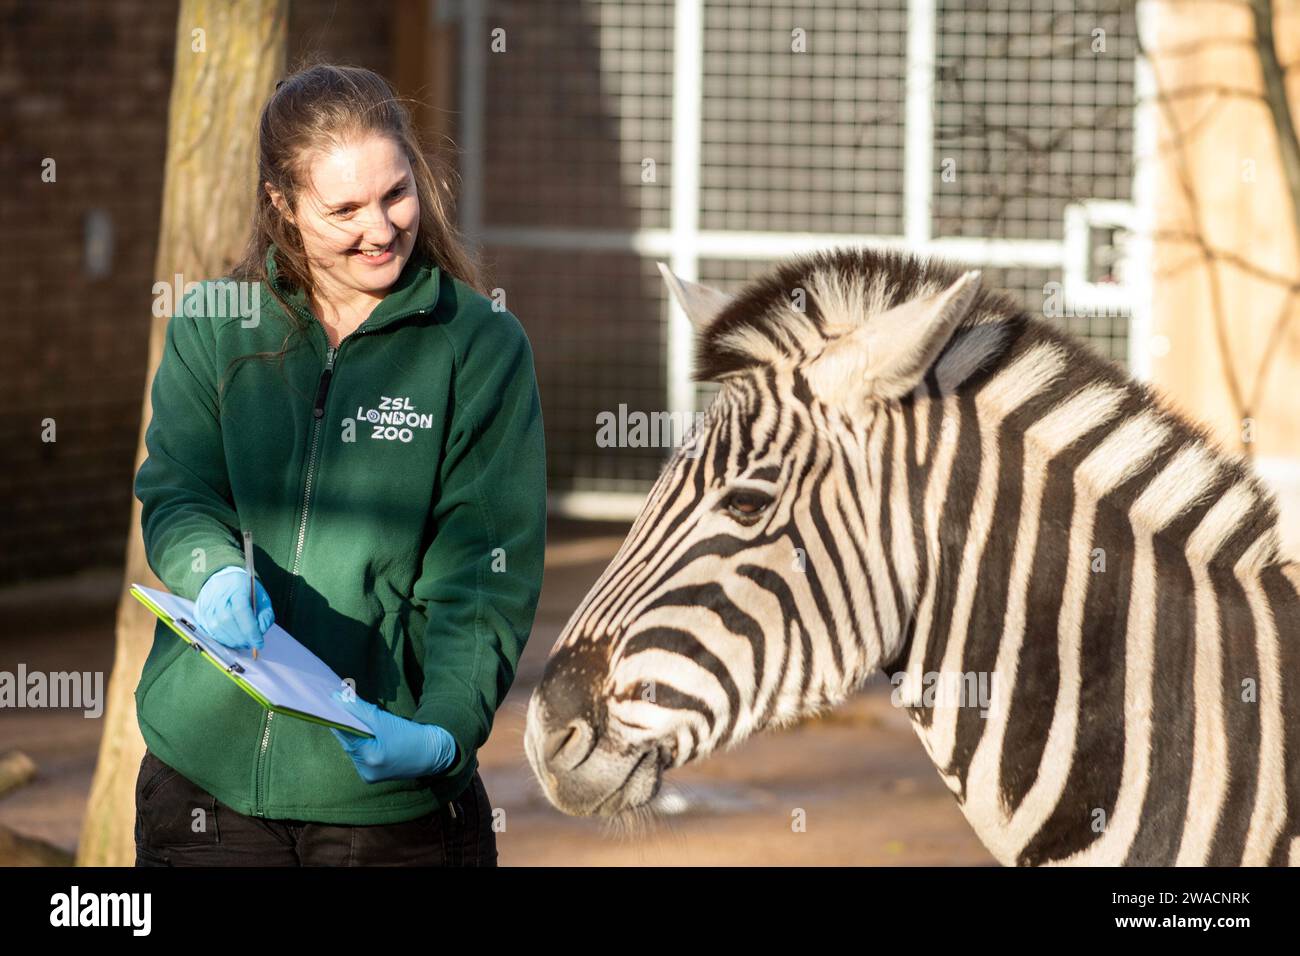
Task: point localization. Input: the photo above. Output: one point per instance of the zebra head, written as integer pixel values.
(754, 587)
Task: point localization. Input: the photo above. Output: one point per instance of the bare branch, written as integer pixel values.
(1230, 258)
(1275, 95)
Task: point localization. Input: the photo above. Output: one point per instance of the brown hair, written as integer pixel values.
(315, 107)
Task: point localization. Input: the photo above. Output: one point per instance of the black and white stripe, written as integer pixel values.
(947, 475)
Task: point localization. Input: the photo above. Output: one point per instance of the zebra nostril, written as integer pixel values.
(668, 752)
(567, 746)
(558, 739)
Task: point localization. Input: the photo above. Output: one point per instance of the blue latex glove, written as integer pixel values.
(224, 611)
(400, 749)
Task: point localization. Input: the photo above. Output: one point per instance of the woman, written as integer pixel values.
(373, 420)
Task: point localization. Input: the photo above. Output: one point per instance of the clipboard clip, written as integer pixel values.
(234, 667)
(185, 623)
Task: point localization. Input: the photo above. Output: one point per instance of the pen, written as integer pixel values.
(252, 582)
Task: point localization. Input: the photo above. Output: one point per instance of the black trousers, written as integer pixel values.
(177, 823)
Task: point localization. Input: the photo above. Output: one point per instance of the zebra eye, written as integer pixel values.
(745, 505)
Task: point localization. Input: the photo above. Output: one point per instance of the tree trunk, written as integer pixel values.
(229, 54)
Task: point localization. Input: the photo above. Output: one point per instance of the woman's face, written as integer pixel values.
(359, 199)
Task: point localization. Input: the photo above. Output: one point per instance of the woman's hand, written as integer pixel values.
(400, 749)
(225, 612)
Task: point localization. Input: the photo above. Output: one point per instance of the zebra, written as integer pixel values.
(904, 472)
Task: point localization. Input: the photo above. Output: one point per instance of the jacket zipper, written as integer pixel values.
(318, 414)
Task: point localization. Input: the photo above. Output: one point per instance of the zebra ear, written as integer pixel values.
(889, 354)
(700, 303)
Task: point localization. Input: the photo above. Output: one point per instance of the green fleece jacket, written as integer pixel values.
(395, 487)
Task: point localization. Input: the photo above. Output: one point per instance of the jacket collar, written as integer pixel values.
(414, 292)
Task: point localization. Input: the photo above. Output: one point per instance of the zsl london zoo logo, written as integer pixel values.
(394, 419)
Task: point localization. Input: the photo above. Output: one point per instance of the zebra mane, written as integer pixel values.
(788, 316)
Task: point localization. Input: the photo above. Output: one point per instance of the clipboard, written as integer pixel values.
(286, 677)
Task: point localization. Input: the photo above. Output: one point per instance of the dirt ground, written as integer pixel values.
(867, 792)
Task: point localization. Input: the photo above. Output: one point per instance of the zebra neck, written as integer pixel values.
(1104, 593)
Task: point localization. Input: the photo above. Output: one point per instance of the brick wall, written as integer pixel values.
(86, 84)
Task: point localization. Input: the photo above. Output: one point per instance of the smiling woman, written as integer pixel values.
(358, 221)
(349, 196)
(390, 456)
